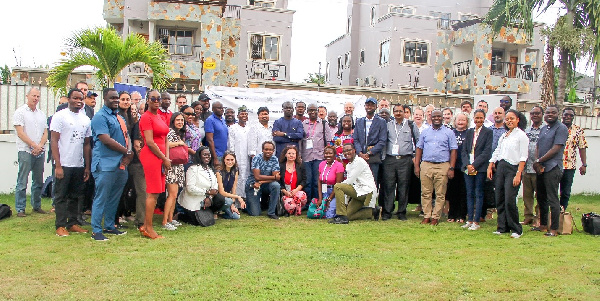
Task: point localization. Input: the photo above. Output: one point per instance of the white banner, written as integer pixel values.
(254, 98)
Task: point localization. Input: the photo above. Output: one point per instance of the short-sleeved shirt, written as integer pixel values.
(437, 144)
(314, 132)
(532, 134)
(106, 122)
(551, 135)
(266, 167)
(327, 174)
(34, 124)
(496, 134)
(73, 129)
(576, 140)
(218, 127)
(165, 115)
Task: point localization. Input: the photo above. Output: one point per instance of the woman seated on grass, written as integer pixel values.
(201, 188)
(227, 178)
(293, 180)
(331, 172)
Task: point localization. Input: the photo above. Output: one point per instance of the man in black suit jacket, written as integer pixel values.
(370, 136)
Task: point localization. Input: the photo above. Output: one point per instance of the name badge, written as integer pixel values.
(395, 149)
(323, 188)
(288, 187)
(309, 144)
(471, 158)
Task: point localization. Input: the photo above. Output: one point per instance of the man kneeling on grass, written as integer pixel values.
(360, 188)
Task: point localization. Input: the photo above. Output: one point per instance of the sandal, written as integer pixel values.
(550, 234)
(146, 234)
(450, 220)
(538, 229)
(460, 221)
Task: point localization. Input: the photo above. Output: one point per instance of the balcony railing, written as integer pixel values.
(462, 68)
(266, 70)
(199, 2)
(232, 11)
(514, 70)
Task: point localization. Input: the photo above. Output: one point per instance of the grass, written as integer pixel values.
(296, 258)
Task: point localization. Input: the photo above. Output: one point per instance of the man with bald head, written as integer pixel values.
(32, 133)
(349, 109)
(217, 133)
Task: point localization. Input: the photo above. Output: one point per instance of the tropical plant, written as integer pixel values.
(106, 51)
(5, 74)
(580, 18)
(315, 78)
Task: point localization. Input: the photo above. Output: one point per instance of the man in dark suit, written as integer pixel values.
(370, 136)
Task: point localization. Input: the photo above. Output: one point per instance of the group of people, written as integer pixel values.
(212, 164)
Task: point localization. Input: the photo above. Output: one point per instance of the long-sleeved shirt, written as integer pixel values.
(400, 136)
(258, 134)
(512, 149)
(496, 133)
(313, 144)
(361, 178)
(294, 133)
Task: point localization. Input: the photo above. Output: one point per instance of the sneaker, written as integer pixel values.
(114, 232)
(169, 227)
(497, 232)
(340, 219)
(467, 225)
(515, 235)
(474, 227)
(77, 229)
(62, 232)
(99, 237)
(176, 223)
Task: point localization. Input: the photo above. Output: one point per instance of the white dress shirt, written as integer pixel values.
(361, 178)
(513, 148)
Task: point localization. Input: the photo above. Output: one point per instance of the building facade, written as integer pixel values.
(210, 42)
(445, 48)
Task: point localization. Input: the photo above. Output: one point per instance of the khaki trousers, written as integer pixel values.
(529, 187)
(433, 176)
(357, 207)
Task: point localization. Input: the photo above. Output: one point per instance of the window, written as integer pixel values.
(176, 41)
(497, 59)
(466, 16)
(444, 19)
(339, 67)
(349, 25)
(362, 57)
(327, 72)
(384, 52)
(347, 60)
(373, 15)
(262, 3)
(264, 47)
(408, 10)
(416, 52)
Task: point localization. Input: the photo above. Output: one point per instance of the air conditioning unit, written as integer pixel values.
(370, 81)
(359, 82)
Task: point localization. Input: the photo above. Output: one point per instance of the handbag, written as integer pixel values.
(314, 211)
(205, 217)
(591, 223)
(565, 224)
(280, 208)
(178, 155)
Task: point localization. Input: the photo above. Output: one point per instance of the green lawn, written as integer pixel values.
(296, 258)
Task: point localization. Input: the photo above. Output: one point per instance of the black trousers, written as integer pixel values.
(189, 217)
(456, 195)
(506, 198)
(396, 180)
(68, 193)
(489, 196)
(547, 196)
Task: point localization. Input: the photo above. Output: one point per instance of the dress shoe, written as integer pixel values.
(402, 217)
(340, 219)
(77, 229)
(376, 212)
(40, 211)
(434, 222)
(273, 216)
(62, 232)
(425, 221)
(21, 214)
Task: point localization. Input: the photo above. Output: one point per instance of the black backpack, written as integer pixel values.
(5, 211)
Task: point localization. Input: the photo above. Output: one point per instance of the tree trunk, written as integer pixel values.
(595, 91)
(563, 69)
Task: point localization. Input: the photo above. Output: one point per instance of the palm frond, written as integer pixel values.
(514, 13)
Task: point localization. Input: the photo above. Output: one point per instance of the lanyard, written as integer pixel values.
(475, 136)
(398, 131)
(324, 176)
(291, 178)
(314, 129)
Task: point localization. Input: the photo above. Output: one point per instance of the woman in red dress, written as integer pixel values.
(154, 157)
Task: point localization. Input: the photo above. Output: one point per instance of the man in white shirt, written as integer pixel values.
(72, 153)
(238, 143)
(360, 189)
(260, 132)
(32, 134)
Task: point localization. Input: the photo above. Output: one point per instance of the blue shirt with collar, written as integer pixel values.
(437, 144)
(218, 127)
(106, 122)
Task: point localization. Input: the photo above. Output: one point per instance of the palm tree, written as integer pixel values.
(106, 51)
(580, 17)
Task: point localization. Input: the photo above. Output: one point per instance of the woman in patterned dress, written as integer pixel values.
(343, 135)
(175, 175)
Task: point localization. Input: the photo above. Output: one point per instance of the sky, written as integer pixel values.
(35, 37)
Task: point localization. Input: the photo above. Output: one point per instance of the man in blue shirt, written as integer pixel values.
(549, 168)
(110, 157)
(287, 129)
(217, 133)
(263, 178)
(437, 148)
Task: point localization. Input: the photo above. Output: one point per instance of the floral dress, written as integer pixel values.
(338, 142)
(176, 173)
(193, 136)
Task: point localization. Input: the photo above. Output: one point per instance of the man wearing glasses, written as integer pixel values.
(575, 141)
(529, 178)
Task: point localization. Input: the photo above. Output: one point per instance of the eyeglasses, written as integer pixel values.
(154, 99)
(190, 114)
(504, 101)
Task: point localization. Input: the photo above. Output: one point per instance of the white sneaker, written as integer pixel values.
(169, 227)
(497, 232)
(474, 227)
(467, 225)
(515, 235)
(175, 223)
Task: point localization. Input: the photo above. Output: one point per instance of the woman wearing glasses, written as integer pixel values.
(155, 159)
(193, 133)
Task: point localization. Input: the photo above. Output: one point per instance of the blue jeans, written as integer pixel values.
(253, 199)
(227, 209)
(474, 186)
(109, 186)
(34, 164)
(566, 182)
(312, 175)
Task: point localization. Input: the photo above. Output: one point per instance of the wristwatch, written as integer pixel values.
(584, 165)
(537, 160)
(129, 152)
(451, 168)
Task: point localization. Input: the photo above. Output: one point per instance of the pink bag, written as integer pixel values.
(294, 204)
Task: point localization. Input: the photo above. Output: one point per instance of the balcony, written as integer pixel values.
(266, 70)
(462, 68)
(199, 2)
(514, 70)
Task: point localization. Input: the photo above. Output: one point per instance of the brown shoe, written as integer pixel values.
(482, 220)
(434, 222)
(21, 214)
(40, 211)
(77, 229)
(62, 232)
(425, 221)
(88, 212)
(527, 221)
